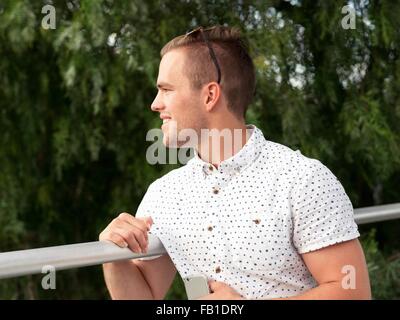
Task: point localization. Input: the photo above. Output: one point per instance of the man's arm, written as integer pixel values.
(335, 268)
(332, 267)
(134, 279)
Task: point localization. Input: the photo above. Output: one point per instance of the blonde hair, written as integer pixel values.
(236, 66)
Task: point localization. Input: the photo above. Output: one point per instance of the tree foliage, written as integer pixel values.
(74, 111)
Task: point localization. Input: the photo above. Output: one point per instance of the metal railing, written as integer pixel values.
(32, 261)
(377, 213)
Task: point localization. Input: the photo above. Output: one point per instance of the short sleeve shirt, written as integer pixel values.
(248, 222)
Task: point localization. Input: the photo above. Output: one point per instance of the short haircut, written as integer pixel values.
(237, 68)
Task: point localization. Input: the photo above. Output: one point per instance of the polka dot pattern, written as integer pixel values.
(248, 222)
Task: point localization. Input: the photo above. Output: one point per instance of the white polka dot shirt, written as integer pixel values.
(247, 222)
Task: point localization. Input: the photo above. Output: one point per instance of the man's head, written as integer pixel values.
(189, 91)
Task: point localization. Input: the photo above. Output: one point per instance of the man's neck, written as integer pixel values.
(219, 143)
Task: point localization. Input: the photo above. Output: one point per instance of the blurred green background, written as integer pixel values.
(75, 110)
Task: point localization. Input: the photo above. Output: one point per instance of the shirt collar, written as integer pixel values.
(238, 162)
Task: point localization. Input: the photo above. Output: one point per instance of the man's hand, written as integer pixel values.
(221, 291)
(128, 231)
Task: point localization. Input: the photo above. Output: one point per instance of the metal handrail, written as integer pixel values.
(32, 261)
(377, 213)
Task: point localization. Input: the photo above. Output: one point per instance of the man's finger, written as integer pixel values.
(137, 222)
(117, 239)
(149, 221)
(214, 285)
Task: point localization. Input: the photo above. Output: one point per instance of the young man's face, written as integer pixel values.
(177, 103)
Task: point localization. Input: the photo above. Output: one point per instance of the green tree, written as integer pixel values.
(74, 111)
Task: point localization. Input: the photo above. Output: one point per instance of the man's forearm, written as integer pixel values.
(330, 291)
(125, 281)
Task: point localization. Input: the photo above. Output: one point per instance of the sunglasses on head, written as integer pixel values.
(203, 33)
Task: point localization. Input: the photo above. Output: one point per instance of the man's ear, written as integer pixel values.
(212, 94)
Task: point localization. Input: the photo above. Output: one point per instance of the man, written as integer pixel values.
(264, 222)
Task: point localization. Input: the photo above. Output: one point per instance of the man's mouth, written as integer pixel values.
(165, 118)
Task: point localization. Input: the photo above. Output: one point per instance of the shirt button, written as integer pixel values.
(215, 190)
(217, 269)
(257, 221)
(210, 167)
(209, 228)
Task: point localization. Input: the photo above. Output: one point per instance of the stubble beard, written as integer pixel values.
(177, 135)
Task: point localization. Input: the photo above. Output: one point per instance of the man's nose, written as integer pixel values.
(157, 104)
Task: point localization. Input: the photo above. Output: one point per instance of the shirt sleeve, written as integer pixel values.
(322, 212)
(146, 209)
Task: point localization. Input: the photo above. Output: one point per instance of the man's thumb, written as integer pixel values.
(149, 221)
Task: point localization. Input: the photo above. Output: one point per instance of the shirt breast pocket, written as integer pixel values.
(259, 244)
